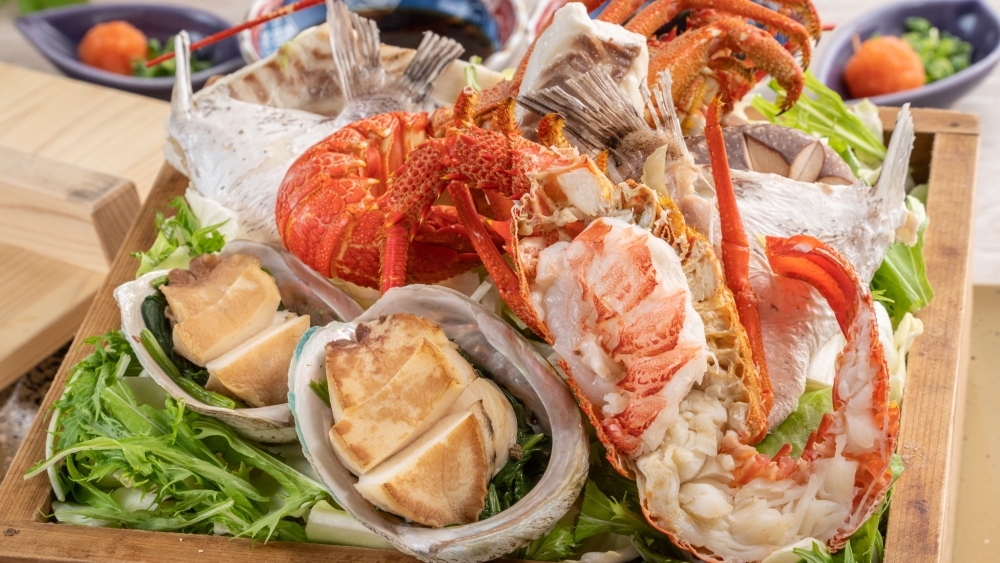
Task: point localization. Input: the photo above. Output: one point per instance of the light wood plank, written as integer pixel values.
(35, 542)
(921, 518)
(76, 123)
(62, 211)
(42, 301)
(928, 120)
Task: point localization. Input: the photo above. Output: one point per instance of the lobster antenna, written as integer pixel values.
(433, 55)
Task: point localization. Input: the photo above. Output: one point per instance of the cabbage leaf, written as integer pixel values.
(901, 279)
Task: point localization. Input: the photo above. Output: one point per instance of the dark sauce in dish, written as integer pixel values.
(405, 27)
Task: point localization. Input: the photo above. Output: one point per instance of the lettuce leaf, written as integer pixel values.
(179, 239)
(799, 425)
(902, 277)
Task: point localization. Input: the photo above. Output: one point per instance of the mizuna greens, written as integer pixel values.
(121, 463)
(528, 460)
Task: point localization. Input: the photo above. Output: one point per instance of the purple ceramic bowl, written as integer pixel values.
(971, 20)
(57, 32)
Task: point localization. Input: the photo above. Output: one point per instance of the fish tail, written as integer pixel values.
(433, 55)
(357, 54)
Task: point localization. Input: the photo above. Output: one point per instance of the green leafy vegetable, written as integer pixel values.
(601, 514)
(902, 276)
(942, 53)
(528, 460)
(471, 77)
(29, 6)
(179, 239)
(821, 111)
(189, 386)
(799, 425)
(132, 465)
(322, 390)
(167, 68)
(557, 545)
(817, 555)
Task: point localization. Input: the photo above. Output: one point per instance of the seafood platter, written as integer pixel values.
(611, 304)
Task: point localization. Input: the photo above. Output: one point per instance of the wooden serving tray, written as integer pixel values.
(923, 507)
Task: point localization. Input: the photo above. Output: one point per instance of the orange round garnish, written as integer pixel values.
(883, 65)
(112, 46)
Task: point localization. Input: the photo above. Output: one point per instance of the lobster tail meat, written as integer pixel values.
(618, 307)
(725, 502)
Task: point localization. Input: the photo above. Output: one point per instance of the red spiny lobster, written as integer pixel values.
(360, 205)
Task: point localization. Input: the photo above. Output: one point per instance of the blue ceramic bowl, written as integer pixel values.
(971, 20)
(57, 32)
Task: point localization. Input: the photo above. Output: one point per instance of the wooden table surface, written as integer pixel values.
(122, 135)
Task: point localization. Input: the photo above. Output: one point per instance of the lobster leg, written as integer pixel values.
(397, 243)
(735, 247)
(505, 278)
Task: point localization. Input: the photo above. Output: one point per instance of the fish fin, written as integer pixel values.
(891, 185)
(433, 55)
(601, 118)
(666, 118)
(357, 52)
(181, 101)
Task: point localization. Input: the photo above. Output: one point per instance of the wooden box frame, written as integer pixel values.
(923, 508)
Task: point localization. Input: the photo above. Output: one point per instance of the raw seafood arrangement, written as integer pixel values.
(404, 297)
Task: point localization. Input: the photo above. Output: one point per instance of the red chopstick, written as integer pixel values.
(280, 12)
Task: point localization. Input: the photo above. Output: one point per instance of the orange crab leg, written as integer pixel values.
(618, 11)
(505, 278)
(686, 56)
(654, 16)
(735, 247)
